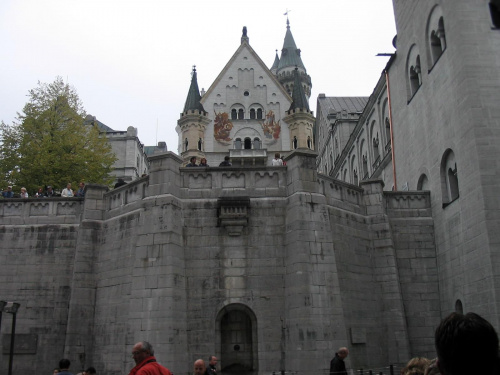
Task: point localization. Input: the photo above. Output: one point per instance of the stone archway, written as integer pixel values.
(236, 326)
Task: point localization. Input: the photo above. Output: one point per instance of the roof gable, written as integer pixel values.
(242, 49)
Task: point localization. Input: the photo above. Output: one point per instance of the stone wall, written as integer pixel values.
(268, 268)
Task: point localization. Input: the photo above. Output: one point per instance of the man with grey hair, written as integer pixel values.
(337, 365)
(146, 364)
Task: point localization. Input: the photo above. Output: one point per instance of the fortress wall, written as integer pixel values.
(38, 238)
(361, 294)
(413, 228)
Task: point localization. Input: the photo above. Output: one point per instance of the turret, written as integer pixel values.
(192, 124)
(290, 58)
(299, 118)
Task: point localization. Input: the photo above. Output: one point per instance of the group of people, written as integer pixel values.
(146, 364)
(277, 161)
(465, 345)
(49, 193)
(203, 162)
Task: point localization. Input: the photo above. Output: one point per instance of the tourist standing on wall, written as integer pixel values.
(277, 160)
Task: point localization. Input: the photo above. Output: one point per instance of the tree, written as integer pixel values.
(50, 144)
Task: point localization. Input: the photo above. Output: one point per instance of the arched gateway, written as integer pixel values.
(236, 335)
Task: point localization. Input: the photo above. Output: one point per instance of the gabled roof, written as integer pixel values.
(245, 45)
(193, 98)
(334, 104)
(101, 126)
(290, 54)
(298, 94)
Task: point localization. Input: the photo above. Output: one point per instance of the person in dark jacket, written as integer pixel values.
(337, 365)
(212, 365)
(226, 162)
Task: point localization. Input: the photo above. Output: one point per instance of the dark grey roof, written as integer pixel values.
(276, 62)
(193, 98)
(290, 54)
(335, 104)
(101, 126)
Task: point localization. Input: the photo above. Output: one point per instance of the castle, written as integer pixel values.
(383, 221)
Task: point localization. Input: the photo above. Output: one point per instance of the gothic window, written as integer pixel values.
(376, 152)
(294, 143)
(337, 151)
(495, 13)
(252, 113)
(355, 177)
(309, 142)
(241, 114)
(248, 144)
(237, 144)
(436, 38)
(326, 169)
(388, 133)
(459, 308)
(413, 71)
(423, 182)
(449, 178)
(345, 175)
(234, 114)
(259, 113)
(256, 143)
(186, 144)
(365, 167)
(199, 144)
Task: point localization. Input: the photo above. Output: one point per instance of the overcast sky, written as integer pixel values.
(130, 60)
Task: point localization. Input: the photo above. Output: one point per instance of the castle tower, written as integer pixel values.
(299, 118)
(192, 124)
(290, 58)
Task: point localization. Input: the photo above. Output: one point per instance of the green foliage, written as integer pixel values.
(50, 144)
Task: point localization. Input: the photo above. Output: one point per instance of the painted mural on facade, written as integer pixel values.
(271, 127)
(222, 127)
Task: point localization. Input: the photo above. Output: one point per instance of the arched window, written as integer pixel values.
(309, 142)
(186, 144)
(459, 308)
(259, 113)
(388, 133)
(237, 144)
(355, 177)
(234, 114)
(199, 144)
(436, 38)
(252, 113)
(423, 182)
(345, 175)
(294, 143)
(241, 114)
(256, 143)
(376, 152)
(248, 144)
(449, 178)
(365, 167)
(495, 13)
(413, 71)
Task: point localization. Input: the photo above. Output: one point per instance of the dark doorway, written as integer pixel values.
(237, 344)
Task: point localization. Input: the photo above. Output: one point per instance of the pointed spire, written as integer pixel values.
(193, 98)
(298, 94)
(274, 68)
(290, 54)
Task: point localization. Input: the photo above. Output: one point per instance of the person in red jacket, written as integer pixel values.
(145, 361)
